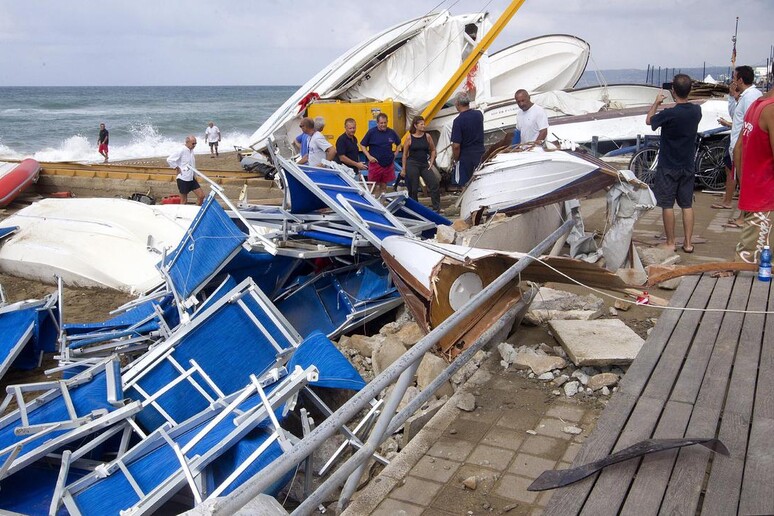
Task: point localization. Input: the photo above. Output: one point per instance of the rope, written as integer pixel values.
(684, 309)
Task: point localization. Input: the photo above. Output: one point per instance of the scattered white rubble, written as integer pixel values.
(557, 304)
(573, 430)
(571, 388)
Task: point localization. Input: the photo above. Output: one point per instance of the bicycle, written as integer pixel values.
(710, 168)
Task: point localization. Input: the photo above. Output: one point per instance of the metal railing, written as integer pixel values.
(400, 372)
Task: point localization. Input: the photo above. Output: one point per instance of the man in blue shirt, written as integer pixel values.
(676, 170)
(380, 144)
(467, 139)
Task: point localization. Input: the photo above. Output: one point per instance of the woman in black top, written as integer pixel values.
(418, 158)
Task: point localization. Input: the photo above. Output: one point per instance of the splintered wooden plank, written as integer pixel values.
(757, 495)
(652, 479)
(685, 487)
(609, 491)
(570, 499)
(725, 481)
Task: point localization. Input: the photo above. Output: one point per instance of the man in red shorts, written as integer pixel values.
(102, 141)
(754, 160)
(380, 145)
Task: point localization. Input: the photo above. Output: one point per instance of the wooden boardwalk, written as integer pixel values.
(700, 374)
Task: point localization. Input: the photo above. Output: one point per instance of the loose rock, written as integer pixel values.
(389, 351)
(410, 334)
(598, 381)
(466, 401)
(571, 388)
(574, 430)
(470, 483)
(539, 364)
(429, 368)
(445, 234)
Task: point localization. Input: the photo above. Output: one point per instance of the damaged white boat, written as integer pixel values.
(523, 178)
(117, 249)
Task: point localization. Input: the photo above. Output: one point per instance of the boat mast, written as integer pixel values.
(733, 51)
(435, 105)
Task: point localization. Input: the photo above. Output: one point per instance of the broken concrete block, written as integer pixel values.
(558, 304)
(429, 368)
(560, 380)
(657, 256)
(417, 422)
(365, 345)
(622, 305)
(388, 352)
(572, 430)
(539, 364)
(546, 376)
(571, 388)
(601, 342)
(598, 381)
(582, 377)
(445, 235)
(460, 225)
(410, 334)
(466, 401)
(507, 353)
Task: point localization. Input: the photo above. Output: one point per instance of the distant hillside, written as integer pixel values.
(636, 76)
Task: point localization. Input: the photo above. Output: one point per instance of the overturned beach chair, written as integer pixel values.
(171, 457)
(67, 411)
(338, 300)
(133, 328)
(239, 334)
(27, 330)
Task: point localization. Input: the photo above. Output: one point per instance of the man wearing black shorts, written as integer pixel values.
(183, 161)
(675, 173)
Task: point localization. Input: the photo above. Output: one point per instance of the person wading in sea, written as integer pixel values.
(102, 141)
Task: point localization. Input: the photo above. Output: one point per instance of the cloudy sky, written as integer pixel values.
(241, 42)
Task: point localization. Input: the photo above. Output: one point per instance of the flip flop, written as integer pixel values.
(719, 206)
(687, 250)
(732, 224)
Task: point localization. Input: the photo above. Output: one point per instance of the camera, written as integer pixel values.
(667, 86)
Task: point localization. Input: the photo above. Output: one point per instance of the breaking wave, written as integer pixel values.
(144, 141)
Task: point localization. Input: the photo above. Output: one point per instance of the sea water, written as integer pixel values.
(62, 123)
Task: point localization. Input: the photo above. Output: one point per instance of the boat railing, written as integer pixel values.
(401, 374)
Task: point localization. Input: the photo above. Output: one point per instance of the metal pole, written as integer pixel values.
(280, 466)
(377, 434)
(339, 475)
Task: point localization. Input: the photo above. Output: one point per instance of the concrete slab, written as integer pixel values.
(600, 342)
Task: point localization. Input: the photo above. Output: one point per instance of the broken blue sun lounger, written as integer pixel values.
(210, 357)
(335, 301)
(27, 330)
(209, 244)
(150, 473)
(67, 411)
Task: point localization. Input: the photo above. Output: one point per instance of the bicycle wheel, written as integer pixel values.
(644, 164)
(710, 169)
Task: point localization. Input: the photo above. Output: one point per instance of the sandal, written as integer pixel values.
(687, 250)
(719, 206)
(732, 224)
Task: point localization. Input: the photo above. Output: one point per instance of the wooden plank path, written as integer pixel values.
(700, 374)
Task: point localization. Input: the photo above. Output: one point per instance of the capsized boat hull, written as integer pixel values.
(103, 243)
(552, 62)
(15, 178)
(513, 182)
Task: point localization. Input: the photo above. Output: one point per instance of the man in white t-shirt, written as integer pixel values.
(531, 119)
(183, 161)
(319, 147)
(212, 136)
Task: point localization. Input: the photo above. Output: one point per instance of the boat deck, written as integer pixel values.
(700, 374)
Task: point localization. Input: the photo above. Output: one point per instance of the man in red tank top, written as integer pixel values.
(754, 158)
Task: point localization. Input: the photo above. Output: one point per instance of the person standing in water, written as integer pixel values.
(102, 141)
(418, 158)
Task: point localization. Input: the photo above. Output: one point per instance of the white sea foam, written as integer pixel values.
(145, 141)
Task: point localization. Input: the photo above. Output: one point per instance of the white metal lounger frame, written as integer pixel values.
(191, 468)
(78, 426)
